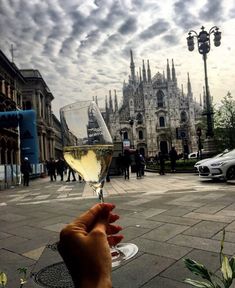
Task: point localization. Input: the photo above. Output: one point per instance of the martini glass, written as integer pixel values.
(88, 149)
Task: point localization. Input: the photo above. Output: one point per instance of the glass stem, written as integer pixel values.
(100, 193)
(101, 196)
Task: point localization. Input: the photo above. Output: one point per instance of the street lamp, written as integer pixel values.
(199, 134)
(203, 41)
(131, 123)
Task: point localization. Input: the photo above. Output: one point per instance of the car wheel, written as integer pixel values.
(231, 173)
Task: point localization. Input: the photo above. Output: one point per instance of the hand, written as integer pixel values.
(85, 246)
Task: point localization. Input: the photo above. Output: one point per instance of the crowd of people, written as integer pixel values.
(130, 159)
(59, 168)
(137, 162)
(126, 160)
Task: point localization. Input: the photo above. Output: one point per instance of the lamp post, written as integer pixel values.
(131, 122)
(204, 45)
(199, 134)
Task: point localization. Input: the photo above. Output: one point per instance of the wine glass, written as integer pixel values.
(88, 149)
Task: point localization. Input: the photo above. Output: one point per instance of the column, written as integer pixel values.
(3, 90)
(6, 160)
(41, 148)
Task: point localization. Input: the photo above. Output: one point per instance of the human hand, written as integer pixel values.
(85, 246)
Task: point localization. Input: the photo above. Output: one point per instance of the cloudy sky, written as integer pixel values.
(82, 47)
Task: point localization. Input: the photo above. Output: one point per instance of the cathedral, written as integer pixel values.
(154, 114)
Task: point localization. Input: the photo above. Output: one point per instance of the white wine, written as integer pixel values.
(90, 161)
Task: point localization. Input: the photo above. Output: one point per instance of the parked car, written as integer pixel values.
(222, 167)
(199, 163)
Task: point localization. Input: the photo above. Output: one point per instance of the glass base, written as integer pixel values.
(123, 252)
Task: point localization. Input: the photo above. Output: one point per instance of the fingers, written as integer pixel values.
(114, 239)
(88, 218)
(113, 217)
(113, 229)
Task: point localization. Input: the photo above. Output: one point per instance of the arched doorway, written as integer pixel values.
(163, 147)
(142, 151)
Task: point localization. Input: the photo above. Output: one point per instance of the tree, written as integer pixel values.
(224, 123)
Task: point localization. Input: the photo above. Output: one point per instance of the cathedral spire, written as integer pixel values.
(132, 66)
(106, 103)
(182, 90)
(140, 75)
(173, 72)
(189, 86)
(96, 100)
(168, 72)
(115, 101)
(200, 99)
(144, 73)
(163, 73)
(110, 102)
(149, 72)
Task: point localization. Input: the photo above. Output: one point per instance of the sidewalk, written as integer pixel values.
(168, 217)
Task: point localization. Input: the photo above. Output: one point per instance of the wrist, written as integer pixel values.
(97, 283)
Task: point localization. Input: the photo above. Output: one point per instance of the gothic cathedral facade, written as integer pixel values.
(155, 114)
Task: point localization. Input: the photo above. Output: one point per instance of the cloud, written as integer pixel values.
(213, 11)
(129, 26)
(154, 30)
(171, 39)
(183, 17)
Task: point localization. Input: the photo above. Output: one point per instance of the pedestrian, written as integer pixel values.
(119, 164)
(126, 164)
(69, 174)
(26, 169)
(51, 168)
(142, 164)
(161, 159)
(137, 164)
(173, 157)
(60, 167)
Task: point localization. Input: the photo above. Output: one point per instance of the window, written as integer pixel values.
(183, 116)
(141, 135)
(160, 99)
(125, 136)
(162, 122)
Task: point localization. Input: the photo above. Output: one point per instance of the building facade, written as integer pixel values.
(11, 84)
(37, 96)
(25, 90)
(155, 113)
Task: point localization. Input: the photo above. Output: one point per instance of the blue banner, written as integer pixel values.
(26, 119)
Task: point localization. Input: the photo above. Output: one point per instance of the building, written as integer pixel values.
(155, 113)
(37, 96)
(11, 84)
(24, 90)
(58, 140)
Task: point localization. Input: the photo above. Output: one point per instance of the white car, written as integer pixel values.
(200, 162)
(222, 167)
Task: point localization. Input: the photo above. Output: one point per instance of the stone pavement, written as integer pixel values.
(168, 217)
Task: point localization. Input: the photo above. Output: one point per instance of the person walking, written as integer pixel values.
(138, 164)
(60, 167)
(126, 164)
(161, 159)
(51, 168)
(69, 174)
(119, 164)
(173, 157)
(26, 169)
(142, 164)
